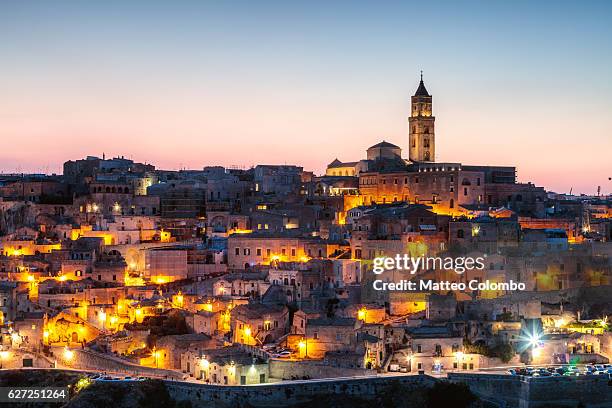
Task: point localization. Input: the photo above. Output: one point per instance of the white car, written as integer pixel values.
(282, 354)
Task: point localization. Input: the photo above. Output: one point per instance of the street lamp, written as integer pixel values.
(303, 345)
(4, 355)
(102, 318)
(68, 354)
(156, 357)
(204, 363)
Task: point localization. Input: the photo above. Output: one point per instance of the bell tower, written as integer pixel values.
(422, 137)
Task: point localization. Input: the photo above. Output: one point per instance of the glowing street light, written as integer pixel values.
(16, 338)
(533, 342)
(204, 363)
(303, 346)
(68, 354)
(4, 355)
(156, 355)
(179, 299)
(102, 318)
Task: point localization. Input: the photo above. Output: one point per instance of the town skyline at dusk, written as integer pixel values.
(335, 204)
(293, 85)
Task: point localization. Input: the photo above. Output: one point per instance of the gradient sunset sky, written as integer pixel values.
(195, 83)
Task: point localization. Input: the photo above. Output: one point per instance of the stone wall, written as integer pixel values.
(592, 391)
(497, 388)
(286, 369)
(17, 358)
(280, 394)
(90, 360)
(538, 392)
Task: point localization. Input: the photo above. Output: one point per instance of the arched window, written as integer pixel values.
(427, 156)
(452, 203)
(426, 143)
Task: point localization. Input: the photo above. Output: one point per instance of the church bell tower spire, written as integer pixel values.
(421, 126)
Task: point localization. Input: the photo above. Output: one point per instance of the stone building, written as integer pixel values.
(228, 366)
(421, 123)
(258, 324)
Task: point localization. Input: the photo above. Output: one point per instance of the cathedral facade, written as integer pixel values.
(448, 188)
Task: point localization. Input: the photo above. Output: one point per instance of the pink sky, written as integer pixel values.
(547, 145)
(216, 83)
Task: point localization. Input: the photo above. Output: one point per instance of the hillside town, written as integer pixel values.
(234, 276)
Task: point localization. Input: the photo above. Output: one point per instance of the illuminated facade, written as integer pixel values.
(421, 122)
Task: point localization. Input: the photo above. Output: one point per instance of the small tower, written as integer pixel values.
(422, 136)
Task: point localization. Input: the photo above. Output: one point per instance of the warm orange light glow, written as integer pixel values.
(68, 354)
(361, 314)
(240, 231)
(247, 331)
(133, 280)
(204, 364)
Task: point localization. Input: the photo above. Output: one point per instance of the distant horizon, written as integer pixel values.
(247, 167)
(191, 84)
